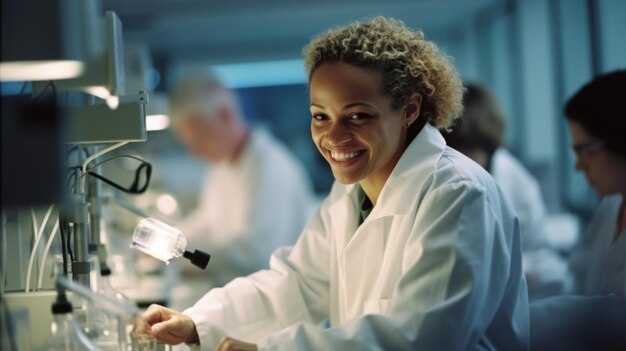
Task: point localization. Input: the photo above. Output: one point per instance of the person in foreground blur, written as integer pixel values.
(594, 318)
(414, 248)
(257, 196)
(479, 134)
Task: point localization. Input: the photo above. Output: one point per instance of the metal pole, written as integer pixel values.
(94, 194)
(81, 266)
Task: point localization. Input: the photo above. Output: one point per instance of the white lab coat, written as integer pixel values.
(594, 318)
(599, 264)
(249, 208)
(540, 259)
(435, 266)
(524, 193)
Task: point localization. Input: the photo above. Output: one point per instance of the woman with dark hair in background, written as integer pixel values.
(597, 123)
(594, 318)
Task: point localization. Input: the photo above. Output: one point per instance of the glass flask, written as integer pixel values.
(66, 334)
(116, 336)
(94, 322)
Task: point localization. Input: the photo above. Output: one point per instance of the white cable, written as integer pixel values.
(102, 152)
(96, 155)
(39, 234)
(33, 216)
(45, 254)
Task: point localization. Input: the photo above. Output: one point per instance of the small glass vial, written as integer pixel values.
(165, 242)
(158, 240)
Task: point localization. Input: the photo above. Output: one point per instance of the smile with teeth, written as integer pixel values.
(340, 156)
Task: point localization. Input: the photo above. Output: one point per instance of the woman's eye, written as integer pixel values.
(358, 116)
(319, 117)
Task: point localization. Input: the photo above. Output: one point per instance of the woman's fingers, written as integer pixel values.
(141, 326)
(175, 328)
(156, 313)
(167, 325)
(171, 325)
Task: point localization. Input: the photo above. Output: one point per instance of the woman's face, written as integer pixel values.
(604, 170)
(353, 126)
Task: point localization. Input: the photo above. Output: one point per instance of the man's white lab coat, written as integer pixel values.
(435, 266)
(249, 208)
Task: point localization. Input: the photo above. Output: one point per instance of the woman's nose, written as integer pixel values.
(579, 165)
(338, 134)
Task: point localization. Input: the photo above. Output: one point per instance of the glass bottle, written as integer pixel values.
(159, 240)
(117, 330)
(164, 242)
(95, 323)
(66, 335)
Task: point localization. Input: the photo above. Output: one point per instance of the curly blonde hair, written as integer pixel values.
(408, 63)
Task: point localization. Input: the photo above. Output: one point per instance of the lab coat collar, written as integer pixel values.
(420, 157)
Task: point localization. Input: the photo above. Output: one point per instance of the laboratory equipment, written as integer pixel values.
(140, 75)
(98, 124)
(110, 304)
(74, 222)
(66, 335)
(115, 305)
(165, 242)
(47, 47)
(103, 44)
(64, 34)
(98, 325)
(115, 336)
(157, 112)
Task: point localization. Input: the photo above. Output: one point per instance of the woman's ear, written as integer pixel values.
(412, 109)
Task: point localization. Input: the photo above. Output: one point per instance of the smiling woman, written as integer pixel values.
(368, 92)
(354, 127)
(415, 247)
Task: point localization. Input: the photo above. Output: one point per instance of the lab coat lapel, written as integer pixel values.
(343, 221)
(361, 249)
(417, 164)
(362, 261)
(343, 215)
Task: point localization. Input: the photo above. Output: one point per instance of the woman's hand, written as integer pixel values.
(167, 325)
(230, 344)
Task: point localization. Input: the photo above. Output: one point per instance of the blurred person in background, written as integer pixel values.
(597, 123)
(414, 248)
(479, 134)
(595, 317)
(256, 196)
